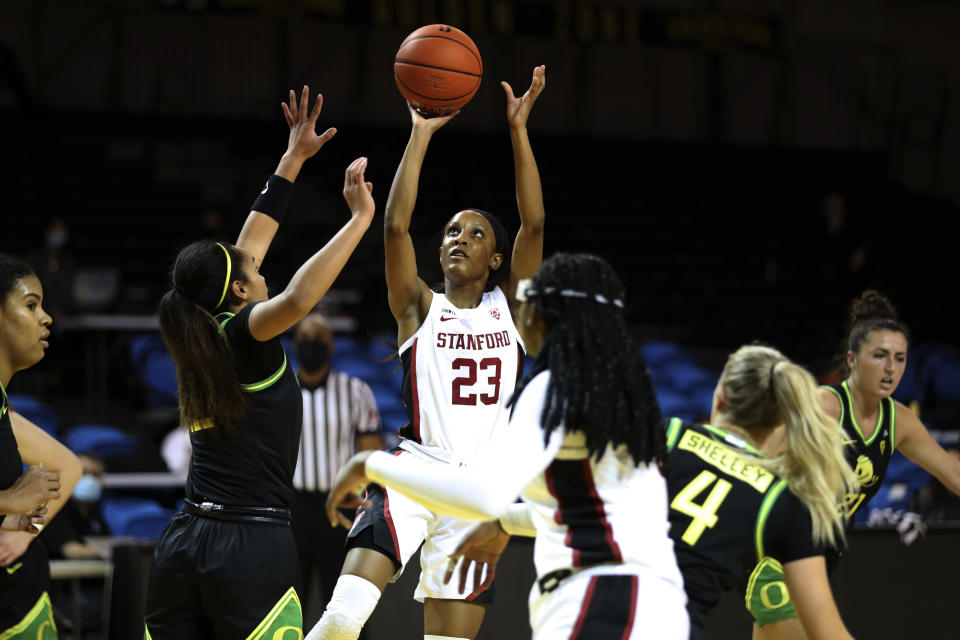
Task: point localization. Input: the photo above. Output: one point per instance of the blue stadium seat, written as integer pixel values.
(37, 412)
(382, 348)
(674, 404)
(393, 419)
(347, 347)
(155, 370)
(658, 353)
(387, 395)
(103, 440)
(359, 365)
(135, 517)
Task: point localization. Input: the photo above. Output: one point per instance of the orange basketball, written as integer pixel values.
(438, 69)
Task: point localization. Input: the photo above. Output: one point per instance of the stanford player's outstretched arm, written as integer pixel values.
(528, 246)
(259, 228)
(408, 296)
(482, 491)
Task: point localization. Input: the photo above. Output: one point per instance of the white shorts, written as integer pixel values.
(400, 525)
(597, 604)
(440, 536)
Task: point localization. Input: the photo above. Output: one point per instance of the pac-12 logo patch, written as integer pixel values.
(495, 313)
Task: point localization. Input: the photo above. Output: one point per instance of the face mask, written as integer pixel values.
(313, 354)
(87, 490)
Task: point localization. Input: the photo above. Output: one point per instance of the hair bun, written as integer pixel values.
(871, 305)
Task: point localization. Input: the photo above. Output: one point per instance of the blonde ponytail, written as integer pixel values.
(813, 464)
(762, 389)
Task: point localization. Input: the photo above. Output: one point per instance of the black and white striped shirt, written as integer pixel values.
(334, 414)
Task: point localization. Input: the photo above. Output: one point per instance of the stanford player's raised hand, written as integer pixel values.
(518, 109)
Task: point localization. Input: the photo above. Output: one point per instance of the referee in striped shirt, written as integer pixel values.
(340, 417)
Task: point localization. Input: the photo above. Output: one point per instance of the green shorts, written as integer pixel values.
(38, 624)
(767, 597)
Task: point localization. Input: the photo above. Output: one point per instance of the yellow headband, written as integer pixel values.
(226, 281)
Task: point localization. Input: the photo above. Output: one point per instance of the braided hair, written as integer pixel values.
(598, 383)
(869, 312)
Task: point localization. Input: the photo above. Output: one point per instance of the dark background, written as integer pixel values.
(696, 145)
(747, 166)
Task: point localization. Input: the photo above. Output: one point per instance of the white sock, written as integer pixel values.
(352, 602)
(426, 637)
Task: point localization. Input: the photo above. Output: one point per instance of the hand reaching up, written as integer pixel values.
(518, 109)
(304, 141)
(357, 192)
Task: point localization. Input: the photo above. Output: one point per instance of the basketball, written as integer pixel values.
(438, 69)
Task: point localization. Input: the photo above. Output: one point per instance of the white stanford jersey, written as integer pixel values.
(459, 370)
(592, 512)
(607, 515)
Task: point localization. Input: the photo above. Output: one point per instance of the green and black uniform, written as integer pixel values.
(25, 610)
(727, 513)
(226, 565)
(869, 456)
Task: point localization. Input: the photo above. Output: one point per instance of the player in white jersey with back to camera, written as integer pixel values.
(462, 357)
(583, 452)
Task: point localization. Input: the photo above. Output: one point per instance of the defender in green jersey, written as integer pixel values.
(874, 425)
(732, 506)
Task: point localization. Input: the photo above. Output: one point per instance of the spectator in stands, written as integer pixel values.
(340, 417)
(80, 516)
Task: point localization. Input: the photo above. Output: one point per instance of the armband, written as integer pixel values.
(274, 198)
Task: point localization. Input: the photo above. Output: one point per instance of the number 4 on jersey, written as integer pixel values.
(705, 514)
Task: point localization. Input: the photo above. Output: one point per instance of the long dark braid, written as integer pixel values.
(598, 383)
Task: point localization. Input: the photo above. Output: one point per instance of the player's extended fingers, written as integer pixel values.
(451, 566)
(331, 508)
(316, 107)
(291, 120)
(350, 175)
(508, 90)
(344, 521)
(539, 79)
(326, 135)
(464, 570)
(477, 575)
(303, 110)
(292, 104)
(488, 579)
(361, 168)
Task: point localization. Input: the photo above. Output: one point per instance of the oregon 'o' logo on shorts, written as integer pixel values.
(281, 633)
(774, 595)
